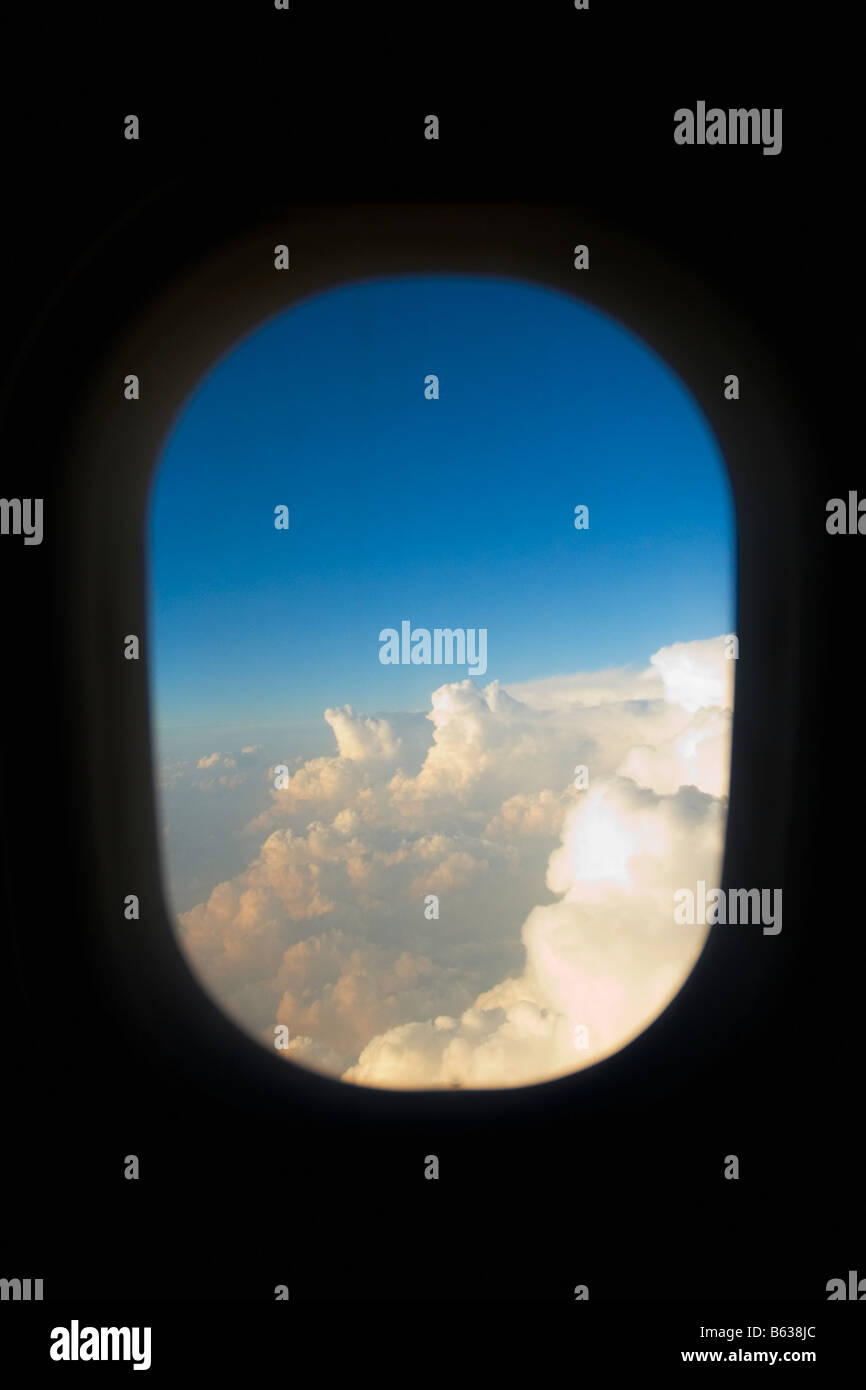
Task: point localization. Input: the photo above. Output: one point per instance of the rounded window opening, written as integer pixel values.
(441, 597)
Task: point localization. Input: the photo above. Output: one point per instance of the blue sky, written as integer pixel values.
(456, 512)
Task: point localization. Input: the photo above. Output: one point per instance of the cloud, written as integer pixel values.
(535, 813)
(696, 674)
(605, 959)
(555, 904)
(588, 689)
(212, 760)
(699, 754)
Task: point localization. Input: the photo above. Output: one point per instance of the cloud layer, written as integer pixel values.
(554, 943)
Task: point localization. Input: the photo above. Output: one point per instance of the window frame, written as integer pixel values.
(204, 309)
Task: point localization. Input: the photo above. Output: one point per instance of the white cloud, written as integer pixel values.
(588, 689)
(555, 903)
(696, 674)
(607, 957)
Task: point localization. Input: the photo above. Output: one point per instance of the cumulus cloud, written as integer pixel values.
(601, 963)
(586, 689)
(696, 674)
(555, 941)
(217, 761)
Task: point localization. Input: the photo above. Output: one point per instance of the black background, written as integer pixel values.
(613, 1178)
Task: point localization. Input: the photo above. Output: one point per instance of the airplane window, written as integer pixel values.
(442, 607)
